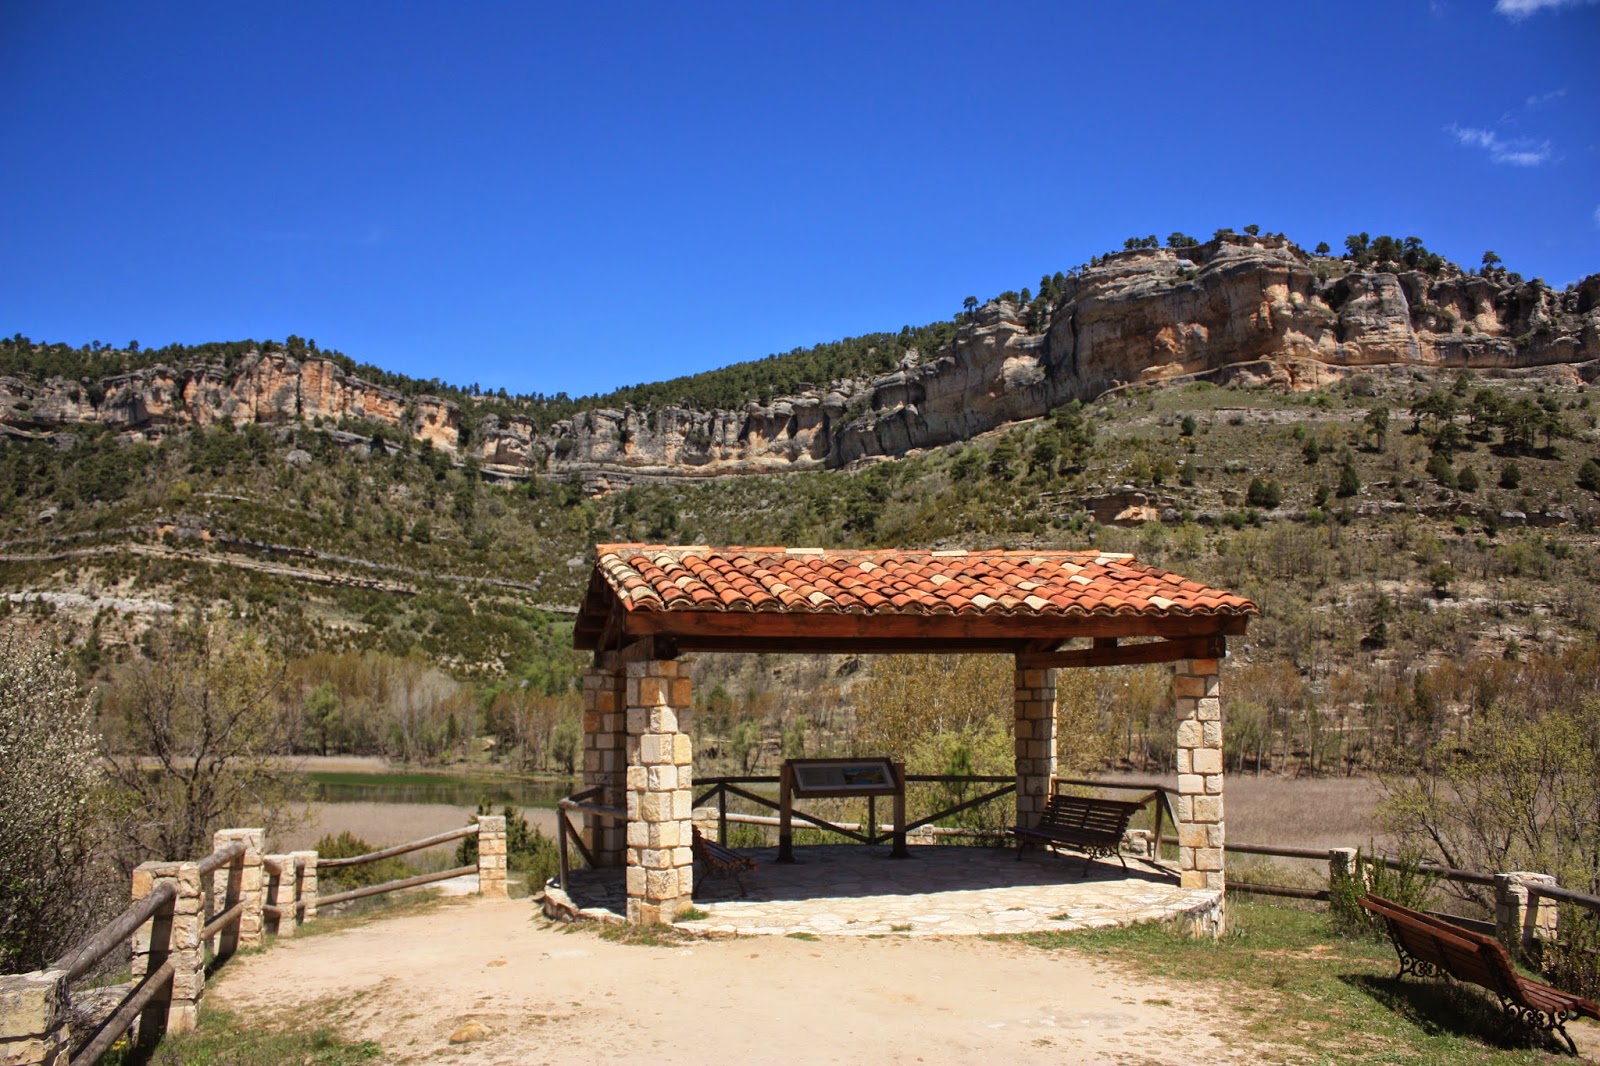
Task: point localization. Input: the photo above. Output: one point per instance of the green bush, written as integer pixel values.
(528, 851)
(347, 846)
(1573, 962)
(1409, 886)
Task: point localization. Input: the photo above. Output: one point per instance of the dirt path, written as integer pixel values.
(548, 995)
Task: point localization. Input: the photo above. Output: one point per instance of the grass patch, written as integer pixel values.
(906, 928)
(1292, 982)
(692, 914)
(802, 936)
(656, 935)
(224, 1037)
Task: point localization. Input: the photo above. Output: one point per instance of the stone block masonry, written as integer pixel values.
(492, 855)
(604, 755)
(1034, 704)
(173, 936)
(1197, 706)
(240, 882)
(33, 1022)
(660, 790)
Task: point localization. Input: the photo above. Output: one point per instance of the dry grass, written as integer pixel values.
(383, 824)
(1325, 812)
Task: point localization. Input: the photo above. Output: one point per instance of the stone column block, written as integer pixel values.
(605, 729)
(33, 1022)
(1034, 713)
(1196, 700)
(660, 790)
(492, 855)
(240, 881)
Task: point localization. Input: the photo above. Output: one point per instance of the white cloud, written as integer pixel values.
(1597, 216)
(1517, 10)
(1545, 98)
(1521, 152)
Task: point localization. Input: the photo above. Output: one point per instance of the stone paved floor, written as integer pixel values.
(850, 890)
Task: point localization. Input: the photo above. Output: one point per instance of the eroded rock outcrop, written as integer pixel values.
(266, 388)
(1252, 309)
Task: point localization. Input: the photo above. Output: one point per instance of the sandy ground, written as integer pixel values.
(548, 995)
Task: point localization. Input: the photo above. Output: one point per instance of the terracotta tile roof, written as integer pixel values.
(1064, 584)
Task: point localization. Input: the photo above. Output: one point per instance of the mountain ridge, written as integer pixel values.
(1255, 309)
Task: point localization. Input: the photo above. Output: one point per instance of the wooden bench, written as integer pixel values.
(723, 861)
(1093, 826)
(1431, 947)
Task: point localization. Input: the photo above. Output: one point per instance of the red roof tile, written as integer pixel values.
(979, 583)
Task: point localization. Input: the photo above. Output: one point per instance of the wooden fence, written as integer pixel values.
(185, 920)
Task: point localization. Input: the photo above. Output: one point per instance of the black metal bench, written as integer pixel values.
(1093, 826)
(1432, 947)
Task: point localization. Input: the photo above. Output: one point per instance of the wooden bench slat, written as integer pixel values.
(1427, 945)
(1093, 826)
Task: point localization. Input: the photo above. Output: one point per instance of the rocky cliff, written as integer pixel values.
(1254, 309)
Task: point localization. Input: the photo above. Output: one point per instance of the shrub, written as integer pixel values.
(1467, 479)
(347, 846)
(1510, 476)
(528, 851)
(49, 805)
(1263, 493)
(1589, 475)
(1409, 886)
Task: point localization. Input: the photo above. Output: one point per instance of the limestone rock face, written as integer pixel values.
(265, 388)
(1257, 310)
(1250, 309)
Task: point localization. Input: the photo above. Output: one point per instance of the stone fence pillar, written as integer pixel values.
(492, 855)
(239, 882)
(1342, 864)
(1523, 920)
(280, 889)
(308, 883)
(33, 1023)
(176, 937)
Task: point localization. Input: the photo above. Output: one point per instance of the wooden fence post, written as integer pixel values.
(33, 1024)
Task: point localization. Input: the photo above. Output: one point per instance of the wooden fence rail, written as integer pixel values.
(185, 912)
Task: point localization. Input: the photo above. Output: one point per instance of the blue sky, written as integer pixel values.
(572, 198)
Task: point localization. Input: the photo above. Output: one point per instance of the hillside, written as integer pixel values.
(1399, 520)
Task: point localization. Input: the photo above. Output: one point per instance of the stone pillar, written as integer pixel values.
(492, 855)
(239, 882)
(33, 1023)
(281, 888)
(660, 781)
(307, 893)
(173, 936)
(1034, 705)
(1522, 920)
(1342, 863)
(1197, 703)
(604, 755)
